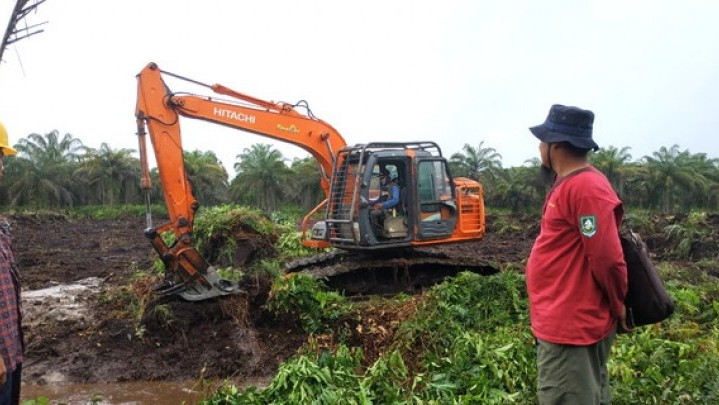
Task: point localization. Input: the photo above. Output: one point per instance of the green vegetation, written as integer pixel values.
(469, 342)
(677, 361)
(306, 297)
(475, 341)
(96, 212)
(99, 212)
(37, 401)
(687, 236)
(217, 230)
(273, 237)
(53, 171)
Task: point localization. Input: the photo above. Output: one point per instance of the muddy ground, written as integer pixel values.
(95, 336)
(89, 337)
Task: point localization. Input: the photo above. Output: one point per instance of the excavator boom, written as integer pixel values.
(158, 112)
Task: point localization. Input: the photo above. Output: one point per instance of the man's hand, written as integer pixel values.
(3, 372)
(378, 206)
(623, 325)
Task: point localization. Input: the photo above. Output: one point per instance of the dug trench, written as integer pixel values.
(80, 326)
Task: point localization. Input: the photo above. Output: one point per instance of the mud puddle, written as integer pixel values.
(61, 303)
(131, 393)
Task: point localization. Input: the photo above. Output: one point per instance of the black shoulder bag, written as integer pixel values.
(647, 300)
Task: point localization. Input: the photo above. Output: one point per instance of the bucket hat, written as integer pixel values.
(567, 124)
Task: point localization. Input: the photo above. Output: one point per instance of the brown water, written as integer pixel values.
(131, 393)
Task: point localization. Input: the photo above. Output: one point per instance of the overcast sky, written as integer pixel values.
(454, 72)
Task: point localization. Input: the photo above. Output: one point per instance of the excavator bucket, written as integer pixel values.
(210, 286)
(188, 274)
(216, 288)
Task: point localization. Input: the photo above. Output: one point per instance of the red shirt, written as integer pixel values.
(576, 274)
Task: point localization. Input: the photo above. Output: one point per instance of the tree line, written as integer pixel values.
(668, 180)
(53, 171)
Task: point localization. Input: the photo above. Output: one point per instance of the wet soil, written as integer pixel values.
(99, 338)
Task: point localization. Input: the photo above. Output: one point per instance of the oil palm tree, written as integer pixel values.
(208, 177)
(480, 164)
(112, 176)
(706, 180)
(540, 186)
(613, 163)
(473, 162)
(51, 148)
(668, 173)
(261, 176)
(47, 164)
(304, 183)
(516, 189)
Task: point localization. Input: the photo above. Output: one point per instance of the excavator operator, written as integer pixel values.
(388, 198)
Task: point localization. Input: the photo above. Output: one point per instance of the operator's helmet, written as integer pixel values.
(4, 144)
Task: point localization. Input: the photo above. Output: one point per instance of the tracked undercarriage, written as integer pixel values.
(407, 270)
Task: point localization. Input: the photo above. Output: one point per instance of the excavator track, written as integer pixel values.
(408, 270)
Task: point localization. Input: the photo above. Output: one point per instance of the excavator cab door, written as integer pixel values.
(436, 204)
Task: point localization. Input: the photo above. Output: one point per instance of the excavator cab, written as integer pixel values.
(428, 211)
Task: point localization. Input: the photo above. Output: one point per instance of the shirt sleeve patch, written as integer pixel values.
(588, 225)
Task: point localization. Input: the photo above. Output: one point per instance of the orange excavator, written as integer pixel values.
(434, 208)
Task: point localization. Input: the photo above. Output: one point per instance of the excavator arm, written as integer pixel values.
(158, 112)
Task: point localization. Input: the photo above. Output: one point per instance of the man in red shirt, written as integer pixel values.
(576, 274)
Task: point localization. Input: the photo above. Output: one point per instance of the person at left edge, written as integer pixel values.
(11, 339)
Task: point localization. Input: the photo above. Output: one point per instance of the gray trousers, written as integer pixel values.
(573, 374)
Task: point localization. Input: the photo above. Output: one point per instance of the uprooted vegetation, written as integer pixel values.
(466, 339)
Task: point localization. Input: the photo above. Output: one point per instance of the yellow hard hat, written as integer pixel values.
(7, 150)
